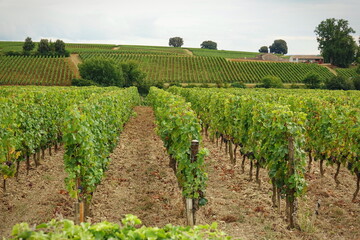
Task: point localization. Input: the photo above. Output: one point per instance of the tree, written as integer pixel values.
(336, 44)
(133, 76)
(102, 71)
(176, 41)
(209, 45)
(59, 47)
(264, 49)
(44, 47)
(29, 45)
(357, 58)
(271, 82)
(339, 83)
(356, 81)
(279, 46)
(312, 80)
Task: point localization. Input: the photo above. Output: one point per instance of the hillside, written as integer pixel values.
(161, 64)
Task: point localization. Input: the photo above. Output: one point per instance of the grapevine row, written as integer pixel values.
(177, 125)
(90, 133)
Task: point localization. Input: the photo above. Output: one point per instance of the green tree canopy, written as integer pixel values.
(339, 83)
(44, 47)
(356, 81)
(59, 47)
(312, 80)
(133, 76)
(271, 82)
(264, 49)
(336, 44)
(279, 47)
(102, 71)
(29, 45)
(209, 45)
(176, 42)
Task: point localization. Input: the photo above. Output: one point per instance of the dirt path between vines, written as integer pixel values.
(139, 180)
(37, 197)
(75, 60)
(188, 52)
(328, 66)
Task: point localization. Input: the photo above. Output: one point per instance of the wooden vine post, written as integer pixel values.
(291, 200)
(79, 205)
(190, 204)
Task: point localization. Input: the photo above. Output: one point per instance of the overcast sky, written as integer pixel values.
(233, 24)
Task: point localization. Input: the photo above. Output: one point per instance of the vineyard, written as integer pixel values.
(284, 139)
(20, 70)
(172, 69)
(161, 64)
(201, 52)
(151, 49)
(275, 130)
(80, 47)
(347, 72)
(10, 46)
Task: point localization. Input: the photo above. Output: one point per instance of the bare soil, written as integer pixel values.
(331, 69)
(140, 182)
(244, 210)
(188, 52)
(74, 61)
(37, 197)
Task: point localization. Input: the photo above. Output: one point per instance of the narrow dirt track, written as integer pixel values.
(139, 180)
(74, 60)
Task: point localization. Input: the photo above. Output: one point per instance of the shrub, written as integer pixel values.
(12, 53)
(158, 84)
(312, 80)
(143, 87)
(132, 74)
(356, 81)
(204, 85)
(191, 85)
(271, 82)
(238, 85)
(339, 83)
(82, 82)
(104, 72)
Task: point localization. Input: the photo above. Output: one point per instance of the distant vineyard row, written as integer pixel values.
(21, 70)
(212, 69)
